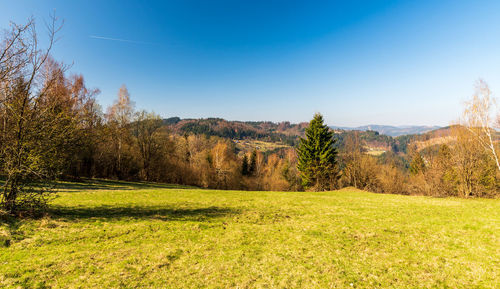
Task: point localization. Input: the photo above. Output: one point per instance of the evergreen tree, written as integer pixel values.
(317, 156)
(244, 166)
(253, 163)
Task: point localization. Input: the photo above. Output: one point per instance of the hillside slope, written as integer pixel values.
(284, 132)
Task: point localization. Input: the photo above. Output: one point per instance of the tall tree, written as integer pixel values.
(149, 140)
(244, 165)
(252, 165)
(224, 164)
(89, 117)
(317, 156)
(119, 117)
(353, 152)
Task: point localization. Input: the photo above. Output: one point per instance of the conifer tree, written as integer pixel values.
(253, 163)
(244, 166)
(317, 156)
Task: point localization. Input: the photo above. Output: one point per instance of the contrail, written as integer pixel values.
(120, 40)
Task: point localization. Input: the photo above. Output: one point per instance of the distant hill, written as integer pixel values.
(282, 132)
(377, 138)
(391, 130)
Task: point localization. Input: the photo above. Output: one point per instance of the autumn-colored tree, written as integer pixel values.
(391, 180)
(272, 176)
(224, 164)
(290, 172)
(471, 165)
(90, 123)
(417, 164)
(360, 170)
(438, 178)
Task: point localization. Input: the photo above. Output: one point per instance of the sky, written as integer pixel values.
(356, 62)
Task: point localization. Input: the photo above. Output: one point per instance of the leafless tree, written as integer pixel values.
(478, 119)
(149, 140)
(119, 117)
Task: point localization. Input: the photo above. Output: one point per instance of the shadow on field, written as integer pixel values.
(98, 184)
(158, 213)
(11, 225)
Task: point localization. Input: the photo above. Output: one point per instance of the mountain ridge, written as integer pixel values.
(284, 132)
(392, 130)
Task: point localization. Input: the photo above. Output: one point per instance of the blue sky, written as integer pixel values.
(356, 62)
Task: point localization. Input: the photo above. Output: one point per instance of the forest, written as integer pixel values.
(53, 128)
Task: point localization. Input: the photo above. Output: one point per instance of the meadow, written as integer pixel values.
(123, 235)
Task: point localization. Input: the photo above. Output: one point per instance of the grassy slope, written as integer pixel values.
(125, 235)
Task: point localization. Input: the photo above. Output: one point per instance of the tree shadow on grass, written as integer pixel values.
(112, 213)
(100, 184)
(11, 225)
(109, 213)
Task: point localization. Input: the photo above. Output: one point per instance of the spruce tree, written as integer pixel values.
(244, 166)
(317, 156)
(253, 163)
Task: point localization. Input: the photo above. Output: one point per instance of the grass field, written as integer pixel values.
(263, 146)
(115, 234)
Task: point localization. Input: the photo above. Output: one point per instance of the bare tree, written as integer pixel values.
(149, 140)
(353, 152)
(360, 169)
(477, 118)
(119, 117)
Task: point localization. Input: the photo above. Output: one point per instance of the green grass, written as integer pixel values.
(117, 234)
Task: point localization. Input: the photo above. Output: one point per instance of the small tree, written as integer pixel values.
(317, 155)
(244, 165)
(471, 165)
(360, 170)
(252, 165)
